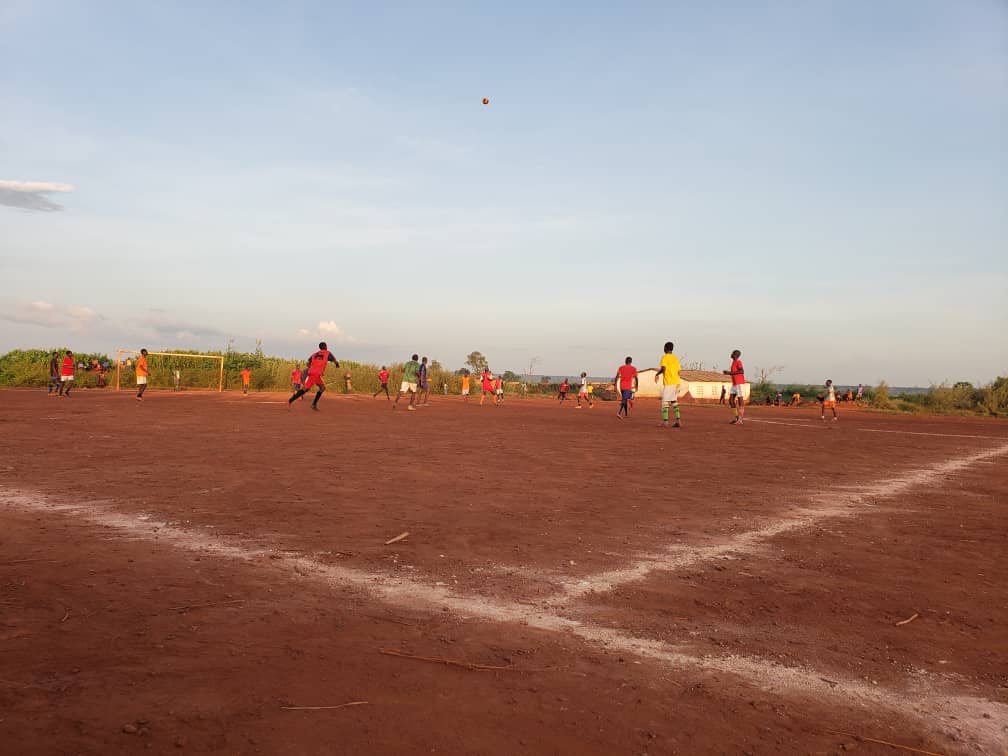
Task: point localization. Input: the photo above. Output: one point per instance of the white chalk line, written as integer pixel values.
(924, 700)
(926, 433)
(825, 506)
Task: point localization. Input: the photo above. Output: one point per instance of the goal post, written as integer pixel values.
(123, 354)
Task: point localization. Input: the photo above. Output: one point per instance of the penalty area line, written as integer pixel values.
(941, 710)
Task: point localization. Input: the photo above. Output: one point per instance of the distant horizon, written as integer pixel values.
(776, 380)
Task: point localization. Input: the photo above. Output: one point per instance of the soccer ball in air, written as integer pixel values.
(486, 100)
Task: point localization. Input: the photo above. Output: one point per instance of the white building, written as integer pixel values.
(695, 385)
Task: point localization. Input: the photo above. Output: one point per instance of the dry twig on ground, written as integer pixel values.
(397, 538)
(883, 742)
(320, 708)
(450, 662)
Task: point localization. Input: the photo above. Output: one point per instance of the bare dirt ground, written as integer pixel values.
(179, 575)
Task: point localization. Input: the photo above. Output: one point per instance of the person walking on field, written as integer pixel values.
(737, 373)
(142, 374)
(668, 372)
(317, 364)
(829, 401)
(177, 374)
(67, 368)
(626, 383)
(583, 391)
(465, 387)
(564, 388)
(423, 395)
(409, 383)
(383, 381)
(860, 393)
(296, 378)
(723, 392)
(486, 384)
(499, 389)
(55, 370)
(246, 376)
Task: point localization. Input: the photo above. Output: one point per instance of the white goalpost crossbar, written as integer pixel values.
(219, 357)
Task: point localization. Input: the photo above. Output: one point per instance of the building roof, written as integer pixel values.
(699, 376)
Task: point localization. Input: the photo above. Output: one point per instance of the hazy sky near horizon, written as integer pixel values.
(823, 185)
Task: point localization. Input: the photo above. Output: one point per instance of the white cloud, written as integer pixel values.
(330, 331)
(27, 195)
(45, 314)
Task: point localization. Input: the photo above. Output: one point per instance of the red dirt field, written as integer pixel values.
(182, 574)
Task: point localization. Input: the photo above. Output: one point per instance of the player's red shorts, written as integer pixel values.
(313, 380)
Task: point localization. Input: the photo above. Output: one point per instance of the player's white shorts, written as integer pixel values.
(737, 390)
(406, 386)
(500, 392)
(141, 380)
(66, 378)
(670, 392)
(465, 392)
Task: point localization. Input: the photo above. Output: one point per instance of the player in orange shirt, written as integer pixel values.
(142, 373)
(465, 387)
(246, 376)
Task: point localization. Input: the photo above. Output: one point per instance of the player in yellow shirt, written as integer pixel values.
(668, 372)
(465, 387)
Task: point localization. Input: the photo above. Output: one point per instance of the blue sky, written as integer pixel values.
(821, 184)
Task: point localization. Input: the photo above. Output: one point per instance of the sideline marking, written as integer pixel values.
(925, 433)
(925, 704)
(833, 505)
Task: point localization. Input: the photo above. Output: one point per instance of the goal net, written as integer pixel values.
(172, 370)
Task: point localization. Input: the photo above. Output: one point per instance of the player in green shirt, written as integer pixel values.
(409, 382)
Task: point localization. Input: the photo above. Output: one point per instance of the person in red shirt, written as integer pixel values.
(316, 368)
(486, 381)
(626, 383)
(737, 373)
(246, 376)
(564, 388)
(296, 378)
(67, 374)
(383, 380)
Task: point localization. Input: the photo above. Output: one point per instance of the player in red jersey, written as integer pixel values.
(316, 367)
(67, 374)
(737, 374)
(383, 376)
(626, 384)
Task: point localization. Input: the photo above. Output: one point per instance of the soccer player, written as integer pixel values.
(142, 373)
(668, 372)
(246, 376)
(177, 374)
(829, 401)
(317, 364)
(409, 382)
(737, 373)
(465, 387)
(626, 383)
(54, 374)
(296, 378)
(67, 374)
(860, 393)
(499, 389)
(564, 388)
(583, 391)
(383, 380)
(486, 384)
(424, 384)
